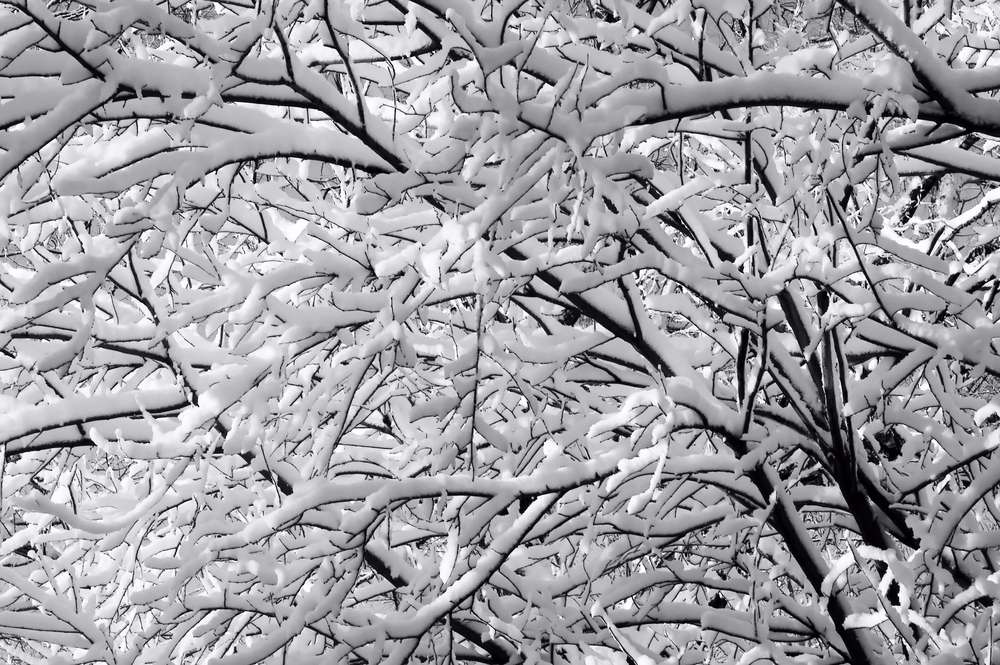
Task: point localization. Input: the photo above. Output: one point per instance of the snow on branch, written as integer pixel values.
(652, 331)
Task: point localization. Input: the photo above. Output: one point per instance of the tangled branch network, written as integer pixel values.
(526, 331)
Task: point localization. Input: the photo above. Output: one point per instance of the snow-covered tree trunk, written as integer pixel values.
(512, 332)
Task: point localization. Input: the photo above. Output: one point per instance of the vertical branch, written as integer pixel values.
(475, 385)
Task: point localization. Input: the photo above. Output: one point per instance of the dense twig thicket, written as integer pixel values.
(521, 331)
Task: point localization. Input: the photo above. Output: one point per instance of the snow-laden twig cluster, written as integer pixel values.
(508, 332)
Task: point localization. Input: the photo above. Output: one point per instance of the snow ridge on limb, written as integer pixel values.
(523, 332)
